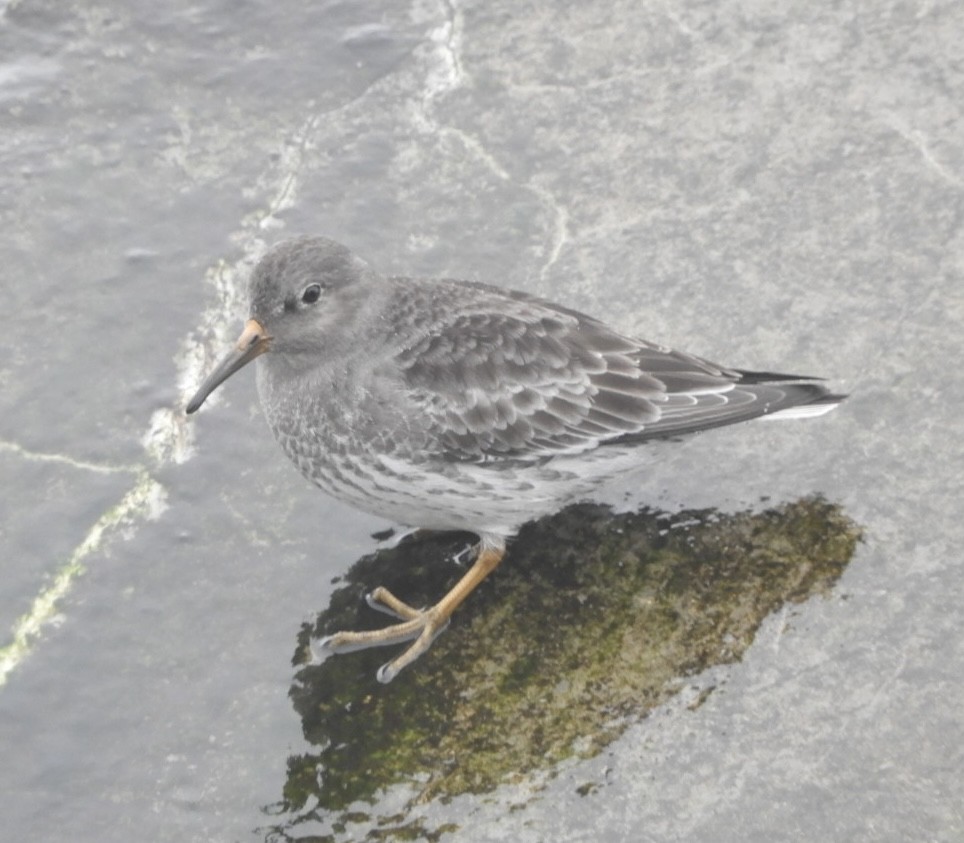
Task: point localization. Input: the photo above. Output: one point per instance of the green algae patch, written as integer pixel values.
(590, 622)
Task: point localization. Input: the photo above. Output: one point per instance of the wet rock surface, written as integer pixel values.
(592, 620)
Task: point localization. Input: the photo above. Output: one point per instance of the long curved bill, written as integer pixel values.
(253, 341)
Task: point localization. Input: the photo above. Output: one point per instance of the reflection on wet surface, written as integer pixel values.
(592, 621)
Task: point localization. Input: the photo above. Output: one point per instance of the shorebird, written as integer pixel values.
(454, 405)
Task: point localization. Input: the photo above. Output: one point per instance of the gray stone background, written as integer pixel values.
(775, 185)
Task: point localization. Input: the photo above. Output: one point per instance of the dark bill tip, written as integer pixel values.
(253, 342)
(194, 404)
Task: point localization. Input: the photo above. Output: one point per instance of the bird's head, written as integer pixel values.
(305, 295)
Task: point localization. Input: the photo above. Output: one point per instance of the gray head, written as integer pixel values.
(305, 296)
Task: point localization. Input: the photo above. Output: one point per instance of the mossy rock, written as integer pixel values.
(589, 623)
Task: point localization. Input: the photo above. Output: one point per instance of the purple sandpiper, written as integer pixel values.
(454, 405)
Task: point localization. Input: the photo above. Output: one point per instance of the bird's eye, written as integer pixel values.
(311, 294)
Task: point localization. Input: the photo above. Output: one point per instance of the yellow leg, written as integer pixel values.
(422, 625)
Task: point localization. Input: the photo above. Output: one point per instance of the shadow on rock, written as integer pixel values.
(591, 621)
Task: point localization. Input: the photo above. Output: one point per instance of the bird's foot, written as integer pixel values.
(424, 625)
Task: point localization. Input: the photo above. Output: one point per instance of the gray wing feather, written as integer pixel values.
(534, 381)
(512, 376)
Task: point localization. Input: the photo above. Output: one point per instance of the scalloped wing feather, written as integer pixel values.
(512, 376)
(539, 382)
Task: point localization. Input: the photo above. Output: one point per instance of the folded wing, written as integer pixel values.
(535, 380)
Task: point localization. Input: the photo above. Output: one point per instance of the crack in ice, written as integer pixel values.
(919, 140)
(169, 437)
(144, 501)
(66, 459)
(560, 227)
(448, 74)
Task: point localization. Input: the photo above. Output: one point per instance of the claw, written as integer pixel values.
(470, 551)
(388, 671)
